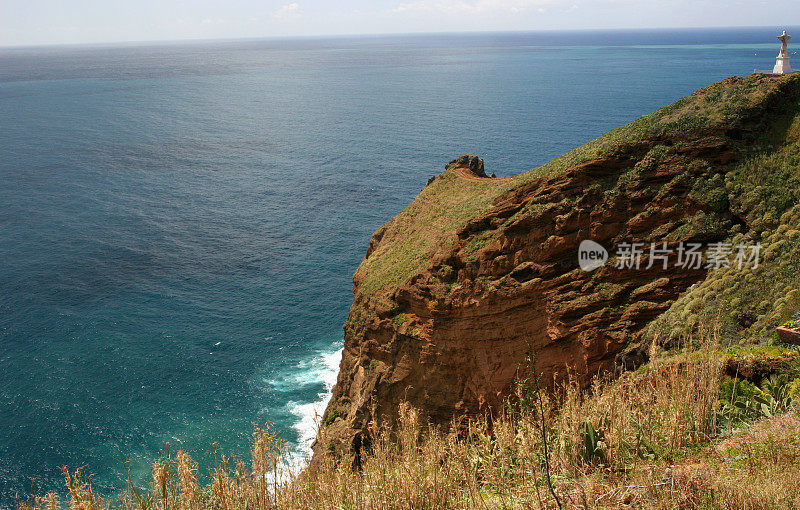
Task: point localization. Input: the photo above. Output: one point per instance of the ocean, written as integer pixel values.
(179, 223)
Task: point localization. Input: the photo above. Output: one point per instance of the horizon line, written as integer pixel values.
(156, 42)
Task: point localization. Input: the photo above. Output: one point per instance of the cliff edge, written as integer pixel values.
(478, 273)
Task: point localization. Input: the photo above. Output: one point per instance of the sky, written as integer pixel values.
(45, 22)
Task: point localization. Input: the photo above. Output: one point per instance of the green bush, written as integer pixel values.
(331, 417)
(742, 401)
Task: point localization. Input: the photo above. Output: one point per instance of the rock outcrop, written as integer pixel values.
(473, 164)
(477, 273)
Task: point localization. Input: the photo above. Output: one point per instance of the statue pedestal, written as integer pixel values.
(782, 66)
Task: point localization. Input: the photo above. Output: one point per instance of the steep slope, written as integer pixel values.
(479, 273)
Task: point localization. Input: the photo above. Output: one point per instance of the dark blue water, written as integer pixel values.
(179, 223)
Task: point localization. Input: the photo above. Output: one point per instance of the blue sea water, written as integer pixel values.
(179, 223)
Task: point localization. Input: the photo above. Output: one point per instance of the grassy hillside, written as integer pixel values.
(746, 305)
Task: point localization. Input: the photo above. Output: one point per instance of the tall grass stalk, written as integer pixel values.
(629, 441)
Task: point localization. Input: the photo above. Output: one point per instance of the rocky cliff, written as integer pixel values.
(478, 272)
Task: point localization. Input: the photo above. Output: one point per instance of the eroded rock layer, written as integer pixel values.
(479, 273)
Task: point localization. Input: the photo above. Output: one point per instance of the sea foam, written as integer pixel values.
(321, 368)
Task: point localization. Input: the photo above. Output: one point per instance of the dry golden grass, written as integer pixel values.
(759, 468)
(654, 443)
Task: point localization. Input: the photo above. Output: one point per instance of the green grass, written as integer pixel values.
(414, 235)
(746, 305)
(763, 190)
(331, 417)
(399, 319)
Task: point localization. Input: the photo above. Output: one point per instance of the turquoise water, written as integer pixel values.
(180, 223)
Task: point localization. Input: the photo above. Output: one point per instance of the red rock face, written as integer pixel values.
(451, 339)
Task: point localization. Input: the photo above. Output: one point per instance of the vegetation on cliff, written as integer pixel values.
(408, 242)
(482, 271)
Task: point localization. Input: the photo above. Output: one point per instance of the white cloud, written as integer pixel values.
(287, 11)
(470, 6)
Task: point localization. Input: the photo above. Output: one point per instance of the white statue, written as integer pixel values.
(782, 65)
(784, 39)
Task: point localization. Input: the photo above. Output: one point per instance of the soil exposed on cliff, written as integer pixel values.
(479, 273)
